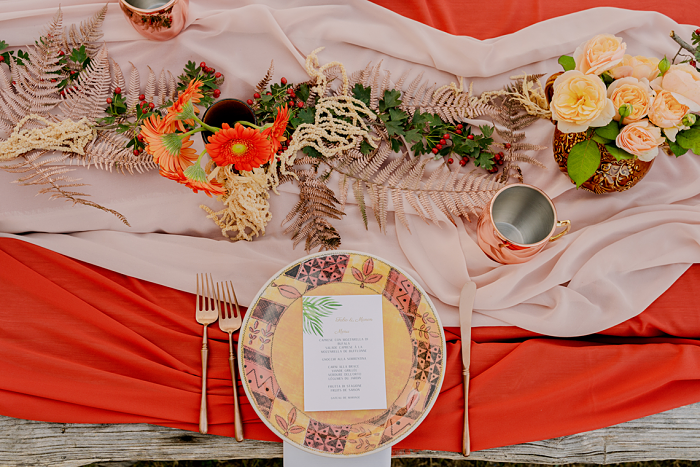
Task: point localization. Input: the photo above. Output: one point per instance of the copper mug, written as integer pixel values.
(159, 20)
(518, 223)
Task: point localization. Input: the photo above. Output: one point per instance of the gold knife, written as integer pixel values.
(466, 303)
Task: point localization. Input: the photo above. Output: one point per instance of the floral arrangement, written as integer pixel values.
(632, 106)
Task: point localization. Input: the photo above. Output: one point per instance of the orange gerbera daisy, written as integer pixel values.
(208, 187)
(170, 151)
(276, 132)
(245, 148)
(190, 93)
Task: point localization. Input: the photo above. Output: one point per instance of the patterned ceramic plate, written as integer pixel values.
(271, 357)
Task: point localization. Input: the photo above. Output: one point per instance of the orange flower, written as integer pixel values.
(209, 188)
(245, 148)
(169, 150)
(276, 132)
(191, 93)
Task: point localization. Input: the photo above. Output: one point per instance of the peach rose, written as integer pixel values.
(631, 91)
(599, 54)
(580, 101)
(666, 112)
(682, 79)
(638, 67)
(641, 139)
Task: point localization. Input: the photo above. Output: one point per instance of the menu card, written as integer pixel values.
(343, 350)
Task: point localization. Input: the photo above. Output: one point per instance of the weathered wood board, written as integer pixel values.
(670, 435)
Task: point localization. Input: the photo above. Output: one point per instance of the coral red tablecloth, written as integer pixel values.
(79, 343)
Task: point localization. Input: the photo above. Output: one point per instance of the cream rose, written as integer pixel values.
(599, 54)
(641, 139)
(682, 79)
(580, 101)
(637, 67)
(634, 92)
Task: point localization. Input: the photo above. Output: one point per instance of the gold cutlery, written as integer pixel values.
(230, 321)
(466, 303)
(207, 313)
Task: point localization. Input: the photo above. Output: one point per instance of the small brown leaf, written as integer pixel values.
(372, 278)
(288, 291)
(412, 400)
(368, 266)
(296, 429)
(292, 417)
(357, 274)
(281, 422)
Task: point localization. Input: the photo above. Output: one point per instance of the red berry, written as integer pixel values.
(459, 127)
(203, 65)
(14, 82)
(268, 93)
(117, 90)
(463, 162)
(216, 93)
(217, 75)
(499, 162)
(63, 93)
(53, 80)
(151, 105)
(446, 136)
(292, 94)
(507, 145)
(697, 31)
(438, 146)
(493, 169)
(212, 70)
(109, 100)
(450, 160)
(470, 136)
(2, 59)
(136, 152)
(140, 137)
(72, 72)
(145, 110)
(693, 63)
(142, 97)
(283, 80)
(435, 150)
(443, 142)
(142, 104)
(256, 95)
(459, 132)
(300, 104)
(289, 90)
(61, 53)
(249, 101)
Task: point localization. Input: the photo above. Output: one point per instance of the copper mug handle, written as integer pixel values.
(563, 232)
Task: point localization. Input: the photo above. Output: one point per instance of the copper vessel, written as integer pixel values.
(518, 223)
(159, 20)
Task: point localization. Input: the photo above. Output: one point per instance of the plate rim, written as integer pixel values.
(443, 343)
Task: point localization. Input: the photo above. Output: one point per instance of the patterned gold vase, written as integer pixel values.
(612, 174)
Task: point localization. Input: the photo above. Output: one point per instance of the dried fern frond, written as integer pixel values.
(87, 98)
(262, 84)
(89, 34)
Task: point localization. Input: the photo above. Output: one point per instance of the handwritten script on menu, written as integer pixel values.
(343, 353)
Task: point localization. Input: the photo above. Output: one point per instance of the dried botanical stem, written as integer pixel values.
(682, 43)
(66, 136)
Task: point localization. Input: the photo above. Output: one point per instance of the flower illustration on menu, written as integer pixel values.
(365, 276)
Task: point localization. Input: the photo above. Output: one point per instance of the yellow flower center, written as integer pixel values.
(238, 148)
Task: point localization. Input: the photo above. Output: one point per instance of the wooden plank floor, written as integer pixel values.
(670, 435)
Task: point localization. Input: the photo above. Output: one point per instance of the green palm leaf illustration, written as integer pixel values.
(315, 308)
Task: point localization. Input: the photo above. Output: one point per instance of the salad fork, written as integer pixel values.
(230, 321)
(207, 312)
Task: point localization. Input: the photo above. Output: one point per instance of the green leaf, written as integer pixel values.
(3, 45)
(676, 148)
(420, 119)
(312, 152)
(395, 144)
(600, 139)
(393, 128)
(391, 99)
(618, 153)
(607, 79)
(567, 62)
(413, 136)
(365, 147)
(79, 55)
(303, 92)
(362, 93)
(315, 308)
(483, 159)
(419, 148)
(689, 139)
(609, 131)
(584, 159)
(398, 115)
(306, 115)
(486, 130)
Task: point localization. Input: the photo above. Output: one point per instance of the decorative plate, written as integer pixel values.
(271, 359)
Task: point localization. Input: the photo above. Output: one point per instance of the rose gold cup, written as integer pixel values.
(517, 224)
(159, 20)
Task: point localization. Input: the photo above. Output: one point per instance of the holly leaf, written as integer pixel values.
(391, 99)
(365, 147)
(483, 159)
(362, 93)
(567, 62)
(689, 139)
(609, 131)
(413, 136)
(584, 159)
(618, 153)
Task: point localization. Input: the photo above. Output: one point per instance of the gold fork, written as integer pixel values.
(207, 313)
(230, 321)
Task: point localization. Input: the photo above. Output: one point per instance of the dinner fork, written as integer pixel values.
(207, 313)
(230, 321)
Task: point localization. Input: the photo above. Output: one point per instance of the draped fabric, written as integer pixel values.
(87, 344)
